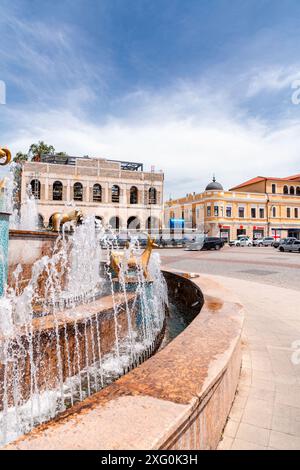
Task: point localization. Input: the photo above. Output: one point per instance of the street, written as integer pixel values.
(264, 265)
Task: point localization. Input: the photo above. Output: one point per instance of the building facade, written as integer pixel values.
(262, 206)
(117, 193)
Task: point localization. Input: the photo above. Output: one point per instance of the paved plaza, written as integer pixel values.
(263, 265)
(266, 410)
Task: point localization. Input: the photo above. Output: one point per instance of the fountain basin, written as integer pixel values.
(61, 346)
(178, 399)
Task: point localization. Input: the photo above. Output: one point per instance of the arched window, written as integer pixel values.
(298, 190)
(152, 196)
(41, 221)
(152, 222)
(115, 223)
(36, 188)
(292, 190)
(133, 195)
(97, 193)
(133, 223)
(115, 193)
(285, 190)
(57, 191)
(78, 192)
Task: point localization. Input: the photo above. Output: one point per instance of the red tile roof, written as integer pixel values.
(293, 177)
(258, 179)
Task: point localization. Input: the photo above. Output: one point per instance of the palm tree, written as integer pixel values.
(37, 150)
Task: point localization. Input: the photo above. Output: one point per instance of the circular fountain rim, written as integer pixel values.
(159, 394)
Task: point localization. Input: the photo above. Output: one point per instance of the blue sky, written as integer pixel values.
(193, 87)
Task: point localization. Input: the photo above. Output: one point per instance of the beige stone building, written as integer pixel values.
(262, 206)
(117, 193)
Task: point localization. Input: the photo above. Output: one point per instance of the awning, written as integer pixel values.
(286, 228)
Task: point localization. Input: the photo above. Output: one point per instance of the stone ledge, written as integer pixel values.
(178, 399)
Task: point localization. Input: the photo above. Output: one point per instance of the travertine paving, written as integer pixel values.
(266, 410)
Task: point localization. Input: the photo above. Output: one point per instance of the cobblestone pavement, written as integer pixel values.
(266, 411)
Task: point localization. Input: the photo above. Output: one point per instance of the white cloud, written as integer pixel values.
(272, 79)
(184, 133)
(45, 60)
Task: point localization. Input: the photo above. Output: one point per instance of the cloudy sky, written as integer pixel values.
(193, 87)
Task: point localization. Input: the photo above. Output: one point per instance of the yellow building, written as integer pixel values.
(262, 206)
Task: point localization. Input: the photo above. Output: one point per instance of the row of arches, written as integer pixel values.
(291, 190)
(57, 192)
(132, 223)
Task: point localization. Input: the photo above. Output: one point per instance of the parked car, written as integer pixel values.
(242, 241)
(162, 242)
(291, 247)
(283, 241)
(209, 243)
(266, 241)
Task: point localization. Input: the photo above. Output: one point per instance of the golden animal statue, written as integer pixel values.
(4, 153)
(117, 258)
(58, 219)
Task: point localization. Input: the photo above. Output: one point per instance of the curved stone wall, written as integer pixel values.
(178, 399)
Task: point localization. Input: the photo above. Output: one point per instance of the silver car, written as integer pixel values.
(291, 247)
(242, 241)
(266, 241)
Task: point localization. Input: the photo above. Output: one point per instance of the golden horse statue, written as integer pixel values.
(117, 258)
(58, 219)
(6, 154)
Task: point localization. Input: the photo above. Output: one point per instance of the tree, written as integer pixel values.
(37, 150)
(61, 154)
(21, 157)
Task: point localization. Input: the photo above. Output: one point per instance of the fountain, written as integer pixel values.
(75, 324)
(77, 315)
(78, 320)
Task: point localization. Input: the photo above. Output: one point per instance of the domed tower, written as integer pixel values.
(214, 186)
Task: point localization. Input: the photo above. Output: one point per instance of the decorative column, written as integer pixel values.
(4, 235)
(5, 158)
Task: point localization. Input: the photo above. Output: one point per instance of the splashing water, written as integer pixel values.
(53, 349)
(29, 219)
